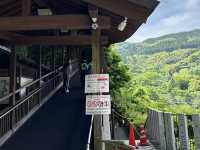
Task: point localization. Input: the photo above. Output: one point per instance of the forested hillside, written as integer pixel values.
(165, 74)
(168, 43)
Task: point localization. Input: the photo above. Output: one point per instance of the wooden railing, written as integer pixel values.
(168, 131)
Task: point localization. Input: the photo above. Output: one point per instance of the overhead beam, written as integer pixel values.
(19, 39)
(79, 40)
(123, 8)
(51, 22)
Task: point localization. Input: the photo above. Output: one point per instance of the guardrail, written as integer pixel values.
(39, 92)
(13, 117)
(168, 131)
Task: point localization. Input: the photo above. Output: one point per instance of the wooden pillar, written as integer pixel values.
(106, 132)
(12, 68)
(26, 7)
(40, 72)
(96, 34)
(53, 64)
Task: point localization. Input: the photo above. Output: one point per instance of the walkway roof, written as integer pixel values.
(25, 25)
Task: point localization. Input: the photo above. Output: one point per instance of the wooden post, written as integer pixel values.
(169, 130)
(183, 132)
(54, 65)
(96, 69)
(12, 70)
(106, 134)
(13, 62)
(26, 7)
(161, 128)
(40, 73)
(196, 128)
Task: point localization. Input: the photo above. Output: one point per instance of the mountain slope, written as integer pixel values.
(168, 43)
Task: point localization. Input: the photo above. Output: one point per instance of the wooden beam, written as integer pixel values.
(51, 22)
(123, 8)
(49, 40)
(26, 7)
(58, 40)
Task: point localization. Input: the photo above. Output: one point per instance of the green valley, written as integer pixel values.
(164, 74)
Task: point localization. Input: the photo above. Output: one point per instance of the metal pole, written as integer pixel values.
(90, 133)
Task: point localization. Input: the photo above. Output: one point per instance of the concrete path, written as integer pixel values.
(59, 125)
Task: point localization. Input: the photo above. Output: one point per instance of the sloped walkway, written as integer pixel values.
(59, 125)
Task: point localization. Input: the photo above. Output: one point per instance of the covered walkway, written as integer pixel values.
(61, 124)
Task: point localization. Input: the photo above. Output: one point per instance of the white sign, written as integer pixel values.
(98, 104)
(97, 83)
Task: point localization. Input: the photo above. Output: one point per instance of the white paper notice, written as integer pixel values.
(98, 104)
(97, 83)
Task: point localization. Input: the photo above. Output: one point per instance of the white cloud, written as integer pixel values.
(172, 16)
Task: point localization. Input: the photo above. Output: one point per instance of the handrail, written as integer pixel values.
(21, 102)
(5, 97)
(27, 85)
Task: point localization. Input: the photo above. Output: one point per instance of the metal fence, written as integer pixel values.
(38, 92)
(168, 131)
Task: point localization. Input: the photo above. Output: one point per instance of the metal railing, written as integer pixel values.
(13, 116)
(39, 91)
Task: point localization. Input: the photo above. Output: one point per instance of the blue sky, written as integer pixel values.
(171, 16)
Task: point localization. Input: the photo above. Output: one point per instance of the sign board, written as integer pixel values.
(97, 83)
(98, 104)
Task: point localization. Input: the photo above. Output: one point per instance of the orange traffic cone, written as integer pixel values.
(143, 136)
(132, 136)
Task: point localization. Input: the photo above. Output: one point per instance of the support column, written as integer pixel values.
(12, 68)
(40, 73)
(53, 64)
(13, 82)
(106, 132)
(96, 69)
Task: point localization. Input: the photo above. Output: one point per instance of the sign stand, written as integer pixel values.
(96, 102)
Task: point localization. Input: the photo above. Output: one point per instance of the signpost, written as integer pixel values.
(96, 103)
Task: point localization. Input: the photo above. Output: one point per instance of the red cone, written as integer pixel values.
(131, 135)
(143, 136)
